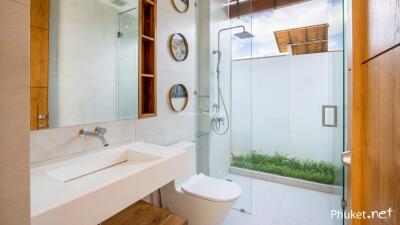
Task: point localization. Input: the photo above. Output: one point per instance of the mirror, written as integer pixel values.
(178, 97)
(181, 5)
(178, 47)
(92, 62)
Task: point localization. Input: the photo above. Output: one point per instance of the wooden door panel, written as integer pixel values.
(375, 110)
(381, 152)
(383, 26)
(395, 200)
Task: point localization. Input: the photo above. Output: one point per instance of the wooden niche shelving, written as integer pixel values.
(147, 59)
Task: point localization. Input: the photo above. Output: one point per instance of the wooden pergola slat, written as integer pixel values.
(303, 40)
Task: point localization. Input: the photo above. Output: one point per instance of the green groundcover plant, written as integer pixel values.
(282, 164)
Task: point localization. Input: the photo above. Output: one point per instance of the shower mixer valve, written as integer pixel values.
(216, 108)
(218, 120)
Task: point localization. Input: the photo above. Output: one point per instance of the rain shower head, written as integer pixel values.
(244, 35)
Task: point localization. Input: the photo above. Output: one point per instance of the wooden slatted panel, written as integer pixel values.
(304, 40)
(283, 40)
(309, 47)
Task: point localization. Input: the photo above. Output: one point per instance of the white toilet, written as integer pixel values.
(200, 199)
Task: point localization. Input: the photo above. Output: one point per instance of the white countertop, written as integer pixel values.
(94, 197)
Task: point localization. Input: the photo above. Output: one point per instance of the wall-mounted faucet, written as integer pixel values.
(98, 132)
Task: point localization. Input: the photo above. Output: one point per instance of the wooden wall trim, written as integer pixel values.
(39, 63)
(356, 104)
(248, 7)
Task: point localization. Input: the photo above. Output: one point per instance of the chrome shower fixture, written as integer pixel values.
(218, 120)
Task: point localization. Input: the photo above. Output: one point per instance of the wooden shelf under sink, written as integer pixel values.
(143, 213)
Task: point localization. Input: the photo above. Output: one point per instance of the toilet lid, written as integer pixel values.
(212, 189)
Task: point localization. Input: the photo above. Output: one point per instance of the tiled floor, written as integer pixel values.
(278, 204)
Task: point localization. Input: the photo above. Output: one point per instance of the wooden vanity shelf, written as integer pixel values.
(143, 213)
(147, 61)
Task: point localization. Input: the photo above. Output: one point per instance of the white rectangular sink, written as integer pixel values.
(101, 162)
(89, 189)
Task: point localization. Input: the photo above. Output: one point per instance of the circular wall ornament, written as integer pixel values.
(178, 97)
(181, 6)
(178, 47)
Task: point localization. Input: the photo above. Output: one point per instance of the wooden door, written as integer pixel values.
(375, 111)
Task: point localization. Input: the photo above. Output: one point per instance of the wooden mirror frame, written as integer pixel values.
(177, 9)
(170, 97)
(186, 46)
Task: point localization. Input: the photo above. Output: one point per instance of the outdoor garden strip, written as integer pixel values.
(282, 164)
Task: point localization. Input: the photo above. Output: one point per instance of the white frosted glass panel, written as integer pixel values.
(241, 108)
(285, 99)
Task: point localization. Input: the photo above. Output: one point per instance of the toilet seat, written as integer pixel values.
(211, 189)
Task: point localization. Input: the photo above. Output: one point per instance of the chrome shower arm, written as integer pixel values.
(225, 29)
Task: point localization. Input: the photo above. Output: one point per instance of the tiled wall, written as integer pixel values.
(14, 108)
(168, 127)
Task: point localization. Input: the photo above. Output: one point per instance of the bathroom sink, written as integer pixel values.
(101, 162)
(89, 189)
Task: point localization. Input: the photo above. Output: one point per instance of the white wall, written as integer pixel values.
(203, 87)
(83, 62)
(213, 150)
(168, 127)
(284, 96)
(220, 144)
(14, 108)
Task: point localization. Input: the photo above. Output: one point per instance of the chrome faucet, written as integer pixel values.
(98, 132)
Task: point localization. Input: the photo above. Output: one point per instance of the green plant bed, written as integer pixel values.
(281, 164)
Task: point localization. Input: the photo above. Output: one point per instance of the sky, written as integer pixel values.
(263, 25)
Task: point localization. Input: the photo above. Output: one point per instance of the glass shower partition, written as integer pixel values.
(289, 107)
(241, 116)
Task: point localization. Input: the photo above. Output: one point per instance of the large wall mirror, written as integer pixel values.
(92, 63)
